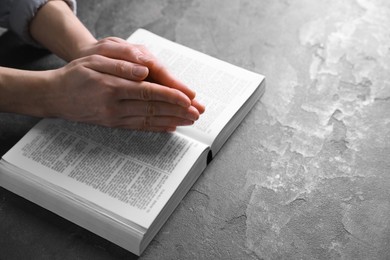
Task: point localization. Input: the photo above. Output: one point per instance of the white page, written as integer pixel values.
(221, 86)
(133, 181)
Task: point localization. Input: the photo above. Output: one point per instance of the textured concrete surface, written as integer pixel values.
(306, 175)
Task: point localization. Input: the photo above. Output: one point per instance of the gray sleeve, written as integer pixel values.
(16, 15)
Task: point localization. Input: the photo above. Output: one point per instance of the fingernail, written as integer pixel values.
(184, 103)
(187, 122)
(192, 117)
(193, 114)
(140, 71)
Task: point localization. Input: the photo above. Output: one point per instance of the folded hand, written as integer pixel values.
(113, 92)
(120, 49)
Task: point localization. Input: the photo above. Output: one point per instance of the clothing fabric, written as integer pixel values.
(16, 15)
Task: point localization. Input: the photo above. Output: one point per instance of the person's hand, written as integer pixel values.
(112, 92)
(117, 48)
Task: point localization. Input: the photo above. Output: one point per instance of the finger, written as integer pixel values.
(138, 108)
(201, 108)
(159, 73)
(115, 67)
(115, 39)
(117, 48)
(124, 89)
(147, 91)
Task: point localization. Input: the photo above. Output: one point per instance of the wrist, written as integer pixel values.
(25, 92)
(56, 27)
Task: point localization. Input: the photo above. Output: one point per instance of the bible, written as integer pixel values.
(124, 184)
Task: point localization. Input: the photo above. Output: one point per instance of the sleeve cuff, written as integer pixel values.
(21, 14)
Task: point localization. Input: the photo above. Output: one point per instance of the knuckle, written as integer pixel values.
(146, 92)
(93, 79)
(147, 122)
(140, 47)
(104, 45)
(101, 48)
(100, 84)
(133, 48)
(112, 93)
(93, 57)
(120, 67)
(150, 109)
(77, 62)
(109, 39)
(91, 60)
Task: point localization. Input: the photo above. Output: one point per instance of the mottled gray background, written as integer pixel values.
(306, 175)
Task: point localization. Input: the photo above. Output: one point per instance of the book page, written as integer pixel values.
(130, 173)
(221, 86)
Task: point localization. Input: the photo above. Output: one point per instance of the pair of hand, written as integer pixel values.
(118, 84)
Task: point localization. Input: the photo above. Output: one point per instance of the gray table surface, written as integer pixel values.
(307, 173)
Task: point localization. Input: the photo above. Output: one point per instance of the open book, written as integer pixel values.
(122, 184)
